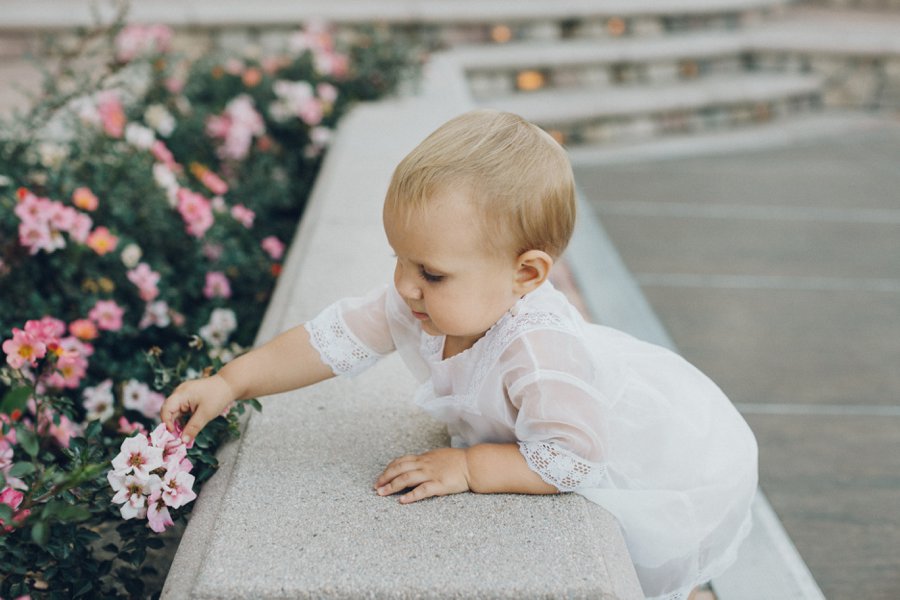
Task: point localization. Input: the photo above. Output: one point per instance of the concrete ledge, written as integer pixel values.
(292, 513)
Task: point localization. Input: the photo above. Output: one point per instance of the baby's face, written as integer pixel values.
(453, 284)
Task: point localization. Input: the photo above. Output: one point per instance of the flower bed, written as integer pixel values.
(142, 226)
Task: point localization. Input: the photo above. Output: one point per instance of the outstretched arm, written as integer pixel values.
(286, 362)
(484, 468)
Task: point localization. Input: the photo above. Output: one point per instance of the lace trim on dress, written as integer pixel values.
(337, 347)
(561, 468)
(512, 325)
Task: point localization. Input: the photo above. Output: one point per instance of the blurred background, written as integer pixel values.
(744, 158)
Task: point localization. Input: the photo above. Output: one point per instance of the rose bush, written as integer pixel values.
(136, 209)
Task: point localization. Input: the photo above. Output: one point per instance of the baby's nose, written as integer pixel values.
(410, 291)
(407, 286)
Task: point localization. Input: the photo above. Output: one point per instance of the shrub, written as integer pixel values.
(144, 214)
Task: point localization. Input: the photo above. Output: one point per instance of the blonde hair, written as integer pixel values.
(517, 176)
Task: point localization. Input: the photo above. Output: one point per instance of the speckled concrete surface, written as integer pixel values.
(292, 512)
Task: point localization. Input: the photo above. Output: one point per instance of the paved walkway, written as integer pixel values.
(776, 271)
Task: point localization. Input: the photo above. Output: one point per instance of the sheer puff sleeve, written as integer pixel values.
(559, 424)
(352, 334)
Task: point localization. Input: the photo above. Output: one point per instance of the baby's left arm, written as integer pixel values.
(484, 468)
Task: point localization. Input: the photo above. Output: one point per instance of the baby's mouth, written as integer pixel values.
(419, 315)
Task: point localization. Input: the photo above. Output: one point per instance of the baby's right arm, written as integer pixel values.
(287, 362)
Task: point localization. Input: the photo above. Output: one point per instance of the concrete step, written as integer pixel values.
(605, 113)
(800, 129)
(856, 52)
(519, 66)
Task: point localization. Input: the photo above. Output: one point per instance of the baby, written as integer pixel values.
(536, 400)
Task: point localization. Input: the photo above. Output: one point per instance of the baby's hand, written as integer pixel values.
(203, 399)
(435, 473)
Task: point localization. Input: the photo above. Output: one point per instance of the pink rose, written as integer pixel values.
(273, 247)
(217, 285)
(24, 348)
(107, 315)
(243, 215)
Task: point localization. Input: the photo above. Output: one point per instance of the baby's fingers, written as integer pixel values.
(402, 481)
(173, 408)
(395, 468)
(426, 490)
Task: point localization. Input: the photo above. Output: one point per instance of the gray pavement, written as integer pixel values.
(776, 271)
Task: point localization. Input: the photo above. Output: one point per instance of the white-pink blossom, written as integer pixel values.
(158, 516)
(99, 401)
(176, 488)
(169, 485)
(137, 457)
(138, 396)
(156, 314)
(131, 493)
(222, 322)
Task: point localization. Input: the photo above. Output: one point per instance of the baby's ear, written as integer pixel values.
(532, 269)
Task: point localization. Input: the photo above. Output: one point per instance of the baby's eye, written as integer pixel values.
(431, 277)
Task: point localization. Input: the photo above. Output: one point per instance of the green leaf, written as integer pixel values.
(15, 398)
(84, 589)
(155, 543)
(93, 430)
(28, 440)
(73, 513)
(21, 468)
(255, 404)
(40, 533)
(6, 512)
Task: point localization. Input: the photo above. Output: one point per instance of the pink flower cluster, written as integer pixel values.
(146, 280)
(317, 39)
(135, 40)
(196, 212)
(298, 99)
(43, 221)
(152, 475)
(236, 127)
(28, 346)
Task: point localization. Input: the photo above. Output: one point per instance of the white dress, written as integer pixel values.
(627, 424)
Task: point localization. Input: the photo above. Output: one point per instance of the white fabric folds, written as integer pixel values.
(624, 423)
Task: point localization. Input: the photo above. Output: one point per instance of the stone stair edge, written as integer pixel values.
(563, 106)
(585, 51)
(36, 14)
